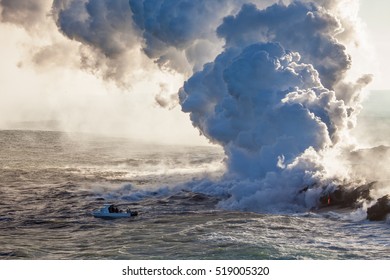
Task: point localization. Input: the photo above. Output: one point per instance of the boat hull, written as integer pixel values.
(110, 211)
(110, 216)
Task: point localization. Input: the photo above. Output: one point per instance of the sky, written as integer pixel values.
(374, 14)
(45, 76)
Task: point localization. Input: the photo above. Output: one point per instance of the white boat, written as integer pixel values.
(110, 211)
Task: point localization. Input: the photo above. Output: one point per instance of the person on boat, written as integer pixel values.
(113, 209)
(132, 213)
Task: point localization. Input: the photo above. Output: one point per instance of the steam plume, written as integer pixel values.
(276, 98)
(263, 106)
(268, 82)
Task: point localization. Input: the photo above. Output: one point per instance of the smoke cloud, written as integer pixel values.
(267, 81)
(180, 35)
(263, 106)
(302, 27)
(276, 98)
(110, 45)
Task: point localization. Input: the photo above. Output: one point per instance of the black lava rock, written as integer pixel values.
(379, 210)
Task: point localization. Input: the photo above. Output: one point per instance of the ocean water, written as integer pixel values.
(50, 182)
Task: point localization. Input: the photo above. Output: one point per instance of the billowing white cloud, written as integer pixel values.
(262, 104)
(276, 98)
(266, 80)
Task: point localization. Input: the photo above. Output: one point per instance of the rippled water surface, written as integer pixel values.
(50, 182)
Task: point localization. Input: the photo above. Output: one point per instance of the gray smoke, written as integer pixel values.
(180, 35)
(110, 44)
(25, 13)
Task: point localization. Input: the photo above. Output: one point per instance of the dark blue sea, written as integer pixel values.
(51, 182)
